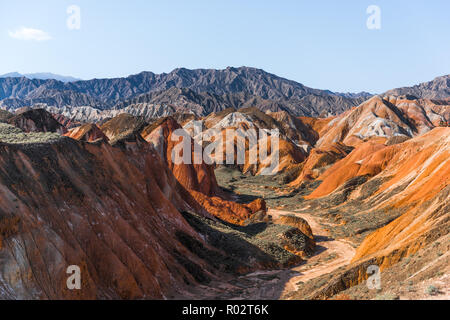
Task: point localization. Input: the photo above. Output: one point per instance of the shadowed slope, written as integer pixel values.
(37, 120)
(110, 211)
(199, 179)
(88, 132)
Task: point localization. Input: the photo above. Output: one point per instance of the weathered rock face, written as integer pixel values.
(439, 88)
(395, 162)
(400, 193)
(297, 222)
(423, 113)
(297, 242)
(88, 132)
(201, 90)
(423, 164)
(416, 178)
(66, 122)
(236, 129)
(383, 118)
(112, 211)
(319, 125)
(295, 129)
(122, 125)
(229, 211)
(319, 160)
(37, 120)
(378, 122)
(361, 161)
(199, 179)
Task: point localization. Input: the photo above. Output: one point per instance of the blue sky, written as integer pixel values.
(322, 44)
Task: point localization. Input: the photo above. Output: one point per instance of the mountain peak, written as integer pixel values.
(438, 88)
(40, 76)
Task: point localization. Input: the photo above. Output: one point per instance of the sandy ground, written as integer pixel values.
(318, 265)
(275, 284)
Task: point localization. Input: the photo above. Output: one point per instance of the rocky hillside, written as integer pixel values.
(37, 120)
(199, 178)
(87, 132)
(438, 88)
(385, 118)
(100, 189)
(78, 212)
(235, 86)
(294, 139)
(393, 202)
(120, 213)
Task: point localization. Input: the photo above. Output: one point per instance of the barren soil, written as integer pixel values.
(331, 253)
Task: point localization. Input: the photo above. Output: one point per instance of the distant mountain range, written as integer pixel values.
(224, 88)
(199, 91)
(439, 88)
(40, 76)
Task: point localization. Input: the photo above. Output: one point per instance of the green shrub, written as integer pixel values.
(12, 135)
(432, 290)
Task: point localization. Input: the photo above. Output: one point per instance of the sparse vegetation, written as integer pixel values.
(260, 241)
(297, 222)
(432, 290)
(12, 135)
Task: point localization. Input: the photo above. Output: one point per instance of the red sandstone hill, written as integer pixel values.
(319, 160)
(108, 210)
(122, 125)
(295, 128)
(378, 122)
(295, 138)
(319, 125)
(395, 161)
(115, 211)
(384, 118)
(37, 120)
(423, 165)
(361, 161)
(87, 132)
(398, 192)
(393, 186)
(199, 179)
(66, 122)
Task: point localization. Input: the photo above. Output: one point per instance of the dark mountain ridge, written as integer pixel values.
(439, 88)
(40, 75)
(107, 93)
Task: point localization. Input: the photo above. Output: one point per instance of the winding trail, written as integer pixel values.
(277, 284)
(341, 250)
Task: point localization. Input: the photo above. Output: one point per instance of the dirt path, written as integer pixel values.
(333, 253)
(276, 284)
